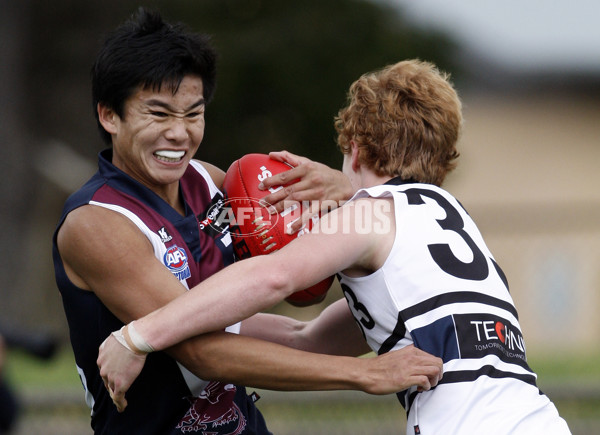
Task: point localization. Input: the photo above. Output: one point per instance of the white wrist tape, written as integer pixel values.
(138, 340)
(132, 340)
(119, 336)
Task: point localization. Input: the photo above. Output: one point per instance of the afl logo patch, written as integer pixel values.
(176, 260)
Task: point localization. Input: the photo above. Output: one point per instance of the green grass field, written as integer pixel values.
(26, 371)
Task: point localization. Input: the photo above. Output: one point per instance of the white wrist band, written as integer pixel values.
(121, 339)
(137, 340)
(119, 336)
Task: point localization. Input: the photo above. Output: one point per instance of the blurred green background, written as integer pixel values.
(528, 170)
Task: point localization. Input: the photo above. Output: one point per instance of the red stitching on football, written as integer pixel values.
(256, 232)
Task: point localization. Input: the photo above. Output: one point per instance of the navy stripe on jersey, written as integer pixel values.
(397, 335)
(487, 370)
(438, 338)
(406, 400)
(453, 298)
(500, 274)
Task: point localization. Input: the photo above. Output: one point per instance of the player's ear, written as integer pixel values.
(108, 118)
(354, 156)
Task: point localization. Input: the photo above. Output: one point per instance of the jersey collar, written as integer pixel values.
(398, 180)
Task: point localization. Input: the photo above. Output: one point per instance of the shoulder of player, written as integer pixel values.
(371, 200)
(216, 173)
(93, 227)
(364, 208)
(93, 239)
(92, 216)
(361, 222)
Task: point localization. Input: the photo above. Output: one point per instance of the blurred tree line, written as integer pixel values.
(283, 73)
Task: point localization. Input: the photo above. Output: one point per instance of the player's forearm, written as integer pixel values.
(224, 299)
(260, 364)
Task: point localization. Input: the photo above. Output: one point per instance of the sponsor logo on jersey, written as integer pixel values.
(177, 262)
(473, 335)
(210, 224)
(209, 220)
(164, 235)
(480, 334)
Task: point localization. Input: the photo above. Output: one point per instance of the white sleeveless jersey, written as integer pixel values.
(441, 290)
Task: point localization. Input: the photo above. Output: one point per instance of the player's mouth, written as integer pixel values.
(169, 156)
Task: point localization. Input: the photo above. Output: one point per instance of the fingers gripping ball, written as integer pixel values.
(257, 232)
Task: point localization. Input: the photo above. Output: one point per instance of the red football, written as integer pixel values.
(255, 231)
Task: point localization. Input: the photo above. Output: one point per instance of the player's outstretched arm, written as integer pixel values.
(267, 365)
(319, 185)
(224, 299)
(334, 332)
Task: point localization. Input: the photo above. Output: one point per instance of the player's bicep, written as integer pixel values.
(112, 257)
(335, 332)
(274, 328)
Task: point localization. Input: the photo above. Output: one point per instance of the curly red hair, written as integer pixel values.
(405, 119)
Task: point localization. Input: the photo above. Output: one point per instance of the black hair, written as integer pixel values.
(146, 51)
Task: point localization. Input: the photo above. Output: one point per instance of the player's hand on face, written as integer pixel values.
(322, 187)
(119, 367)
(409, 367)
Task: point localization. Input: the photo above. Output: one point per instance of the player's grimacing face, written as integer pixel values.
(160, 132)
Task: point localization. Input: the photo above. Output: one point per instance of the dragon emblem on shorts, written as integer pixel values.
(214, 412)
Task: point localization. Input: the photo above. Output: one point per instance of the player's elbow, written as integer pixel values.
(276, 280)
(271, 278)
(201, 355)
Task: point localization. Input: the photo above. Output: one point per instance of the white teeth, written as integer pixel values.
(169, 156)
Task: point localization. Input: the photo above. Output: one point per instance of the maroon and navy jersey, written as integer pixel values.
(165, 398)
